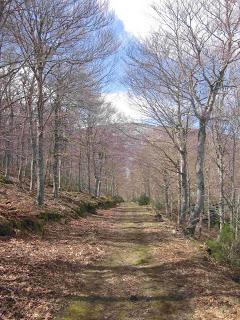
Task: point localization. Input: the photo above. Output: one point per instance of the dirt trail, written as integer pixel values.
(150, 272)
(120, 264)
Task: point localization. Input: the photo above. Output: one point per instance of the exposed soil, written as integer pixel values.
(120, 264)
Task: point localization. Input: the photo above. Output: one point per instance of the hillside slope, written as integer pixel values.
(20, 214)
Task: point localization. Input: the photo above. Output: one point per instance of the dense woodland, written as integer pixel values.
(58, 131)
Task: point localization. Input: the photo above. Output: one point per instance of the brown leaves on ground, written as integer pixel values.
(92, 257)
(16, 201)
(37, 274)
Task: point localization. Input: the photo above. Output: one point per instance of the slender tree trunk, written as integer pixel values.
(97, 187)
(34, 153)
(56, 150)
(60, 175)
(195, 214)
(20, 168)
(184, 186)
(32, 132)
(39, 145)
(7, 158)
(166, 192)
(208, 207)
(221, 194)
(233, 183)
(237, 217)
(33, 169)
(8, 146)
(80, 171)
(89, 171)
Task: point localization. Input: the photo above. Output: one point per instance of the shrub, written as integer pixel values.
(143, 200)
(221, 249)
(31, 224)
(50, 216)
(157, 205)
(117, 199)
(6, 227)
(85, 207)
(90, 207)
(108, 204)
(80, 211)
(5, 180)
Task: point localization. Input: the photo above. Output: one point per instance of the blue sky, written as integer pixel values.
(133, 19)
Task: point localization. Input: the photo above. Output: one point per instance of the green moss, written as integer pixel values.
(81, 310)
(144, 255)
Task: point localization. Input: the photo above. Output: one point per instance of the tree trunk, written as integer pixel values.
(97, 187)
(32, 132)
(80, 171)
(8, 145)
(184, 186)
(33, 168)
(208, 207)
(21, 162)
(39, 145)
(166, 193)
(195, 214)
(56, 150)
(221, 194)
(233, 183)
(89, 171)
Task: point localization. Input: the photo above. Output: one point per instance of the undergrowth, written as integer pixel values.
(225, 248)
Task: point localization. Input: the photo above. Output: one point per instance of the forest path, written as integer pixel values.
(149, 272)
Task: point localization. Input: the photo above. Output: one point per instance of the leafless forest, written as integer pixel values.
(66, 150)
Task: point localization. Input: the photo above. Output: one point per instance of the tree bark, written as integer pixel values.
(56, 150)
(195, 214)
(221, 194)
(184, 186)
(39, 144)
(166, 193)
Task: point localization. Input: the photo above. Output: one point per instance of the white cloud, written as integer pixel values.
(123, 105)
(136, 15)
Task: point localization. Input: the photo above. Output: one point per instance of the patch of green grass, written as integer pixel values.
(144, 255)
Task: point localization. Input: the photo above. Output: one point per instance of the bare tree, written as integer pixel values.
(204, 37)
(46, 34)
(158, 86)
